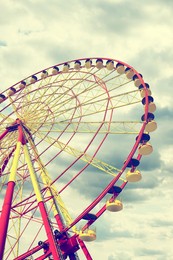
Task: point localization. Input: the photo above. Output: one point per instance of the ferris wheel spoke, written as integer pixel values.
(94, 110)
(5, 120)
(114, 127)
(107, 168)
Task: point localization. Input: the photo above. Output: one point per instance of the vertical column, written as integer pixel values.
(51, 192)
(6, 208)
(41, 205)
(55, 201)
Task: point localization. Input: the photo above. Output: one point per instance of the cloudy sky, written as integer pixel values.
(37, 34)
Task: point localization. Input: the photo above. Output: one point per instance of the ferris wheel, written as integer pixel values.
(72, 136)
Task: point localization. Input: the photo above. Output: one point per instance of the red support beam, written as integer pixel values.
(5, 215)
(51, 239)
(84, 249)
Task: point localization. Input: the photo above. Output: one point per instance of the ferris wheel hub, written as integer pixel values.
(34, 116)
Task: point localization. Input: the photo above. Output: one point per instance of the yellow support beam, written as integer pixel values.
(57, 203)
(15, 162)
(103, 166)
(32, 174)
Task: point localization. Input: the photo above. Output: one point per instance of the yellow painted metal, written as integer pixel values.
(57, 204)
(114, 127)
(44, 92)
(19, 221)
(15, 162)
(12, 177)
(91, 107)
(32, 174)
(103, 166)
(13, 106)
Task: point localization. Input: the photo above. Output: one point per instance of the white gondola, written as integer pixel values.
(133, 176)
(33, 79)
(77, 65)
(88, 64)
(151, 126)
(22, 85)
(151, 107)
(114, 206)
(44, 74)
(66, 67)
(137, 82)
(143, 92)
(145, 149)
(110, 65)
(11, 91)
(55, 70)
(120, 68)
(99, 64)
(129, 73)
(87, 235)
(2, 98)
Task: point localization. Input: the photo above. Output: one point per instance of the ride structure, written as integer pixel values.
(58, 128)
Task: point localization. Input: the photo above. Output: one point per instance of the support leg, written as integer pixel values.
(6, 208)
(41, 205)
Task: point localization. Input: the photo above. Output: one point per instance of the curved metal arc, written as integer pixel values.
(120, 103)
(26, 90)
(118, 99)
(70, 78)
(103, 209)
(146, 108)
(104, 192)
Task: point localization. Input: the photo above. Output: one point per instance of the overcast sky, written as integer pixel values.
(35, 34)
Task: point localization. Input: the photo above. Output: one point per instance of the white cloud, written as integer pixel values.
(38, 34)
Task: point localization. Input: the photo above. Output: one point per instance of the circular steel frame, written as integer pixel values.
(43, 114)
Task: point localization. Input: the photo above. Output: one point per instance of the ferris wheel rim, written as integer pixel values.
(129, 157)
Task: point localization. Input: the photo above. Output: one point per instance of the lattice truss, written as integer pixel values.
(67, 114)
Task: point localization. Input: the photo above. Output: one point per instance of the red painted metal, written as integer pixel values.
(50, 236)
(104, 192)
(3, 134)
(102, 210)
(68, 245)
(6, 160)
(5, 215)
(59, 222)
(7, 204)
(29, 252)
(84, 249)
